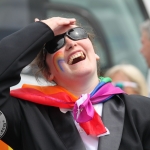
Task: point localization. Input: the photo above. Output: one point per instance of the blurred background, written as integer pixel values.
(116, 24)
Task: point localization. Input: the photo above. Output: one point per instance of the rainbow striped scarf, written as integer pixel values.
(83, 110)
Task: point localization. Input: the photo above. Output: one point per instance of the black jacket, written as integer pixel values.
(32, 126)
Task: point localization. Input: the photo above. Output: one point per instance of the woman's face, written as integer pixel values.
(145, 47)
(74, 60)
(120, 77)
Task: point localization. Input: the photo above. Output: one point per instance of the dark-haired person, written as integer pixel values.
(80, 112)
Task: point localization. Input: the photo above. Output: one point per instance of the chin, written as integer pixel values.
(83, 73)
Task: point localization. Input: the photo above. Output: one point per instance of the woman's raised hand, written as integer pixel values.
(59, 25)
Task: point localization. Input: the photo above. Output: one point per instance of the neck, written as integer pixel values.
(81, 86)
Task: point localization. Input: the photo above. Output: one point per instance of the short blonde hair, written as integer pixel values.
(134, 75)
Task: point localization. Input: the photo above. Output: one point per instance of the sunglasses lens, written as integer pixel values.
(77, 34)
(55, 44)
(59, 41)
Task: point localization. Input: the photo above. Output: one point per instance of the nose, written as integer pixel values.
(70, 44)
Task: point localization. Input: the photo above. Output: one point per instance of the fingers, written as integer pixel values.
(66, 21)
(59, 25)
(58, 21)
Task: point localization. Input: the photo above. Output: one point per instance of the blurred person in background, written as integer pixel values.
(145, 40)
(145, 48)
(129, 78)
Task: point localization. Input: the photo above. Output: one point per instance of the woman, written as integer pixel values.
(129, 78)
(66, 116)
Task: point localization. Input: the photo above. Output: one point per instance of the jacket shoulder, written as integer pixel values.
(136, 102)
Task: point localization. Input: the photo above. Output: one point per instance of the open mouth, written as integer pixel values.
(77, 57)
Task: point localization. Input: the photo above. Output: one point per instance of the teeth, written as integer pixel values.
(76, 55)
(82, 55)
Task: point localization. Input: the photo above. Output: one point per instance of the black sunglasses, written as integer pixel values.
(58, 42)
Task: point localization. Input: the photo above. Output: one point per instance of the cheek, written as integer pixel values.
(88, 44)
(147, 45)
(58, 61)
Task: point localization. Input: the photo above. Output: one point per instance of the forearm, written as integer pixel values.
(20, 48)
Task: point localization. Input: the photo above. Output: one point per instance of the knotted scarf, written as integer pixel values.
(83, 110)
